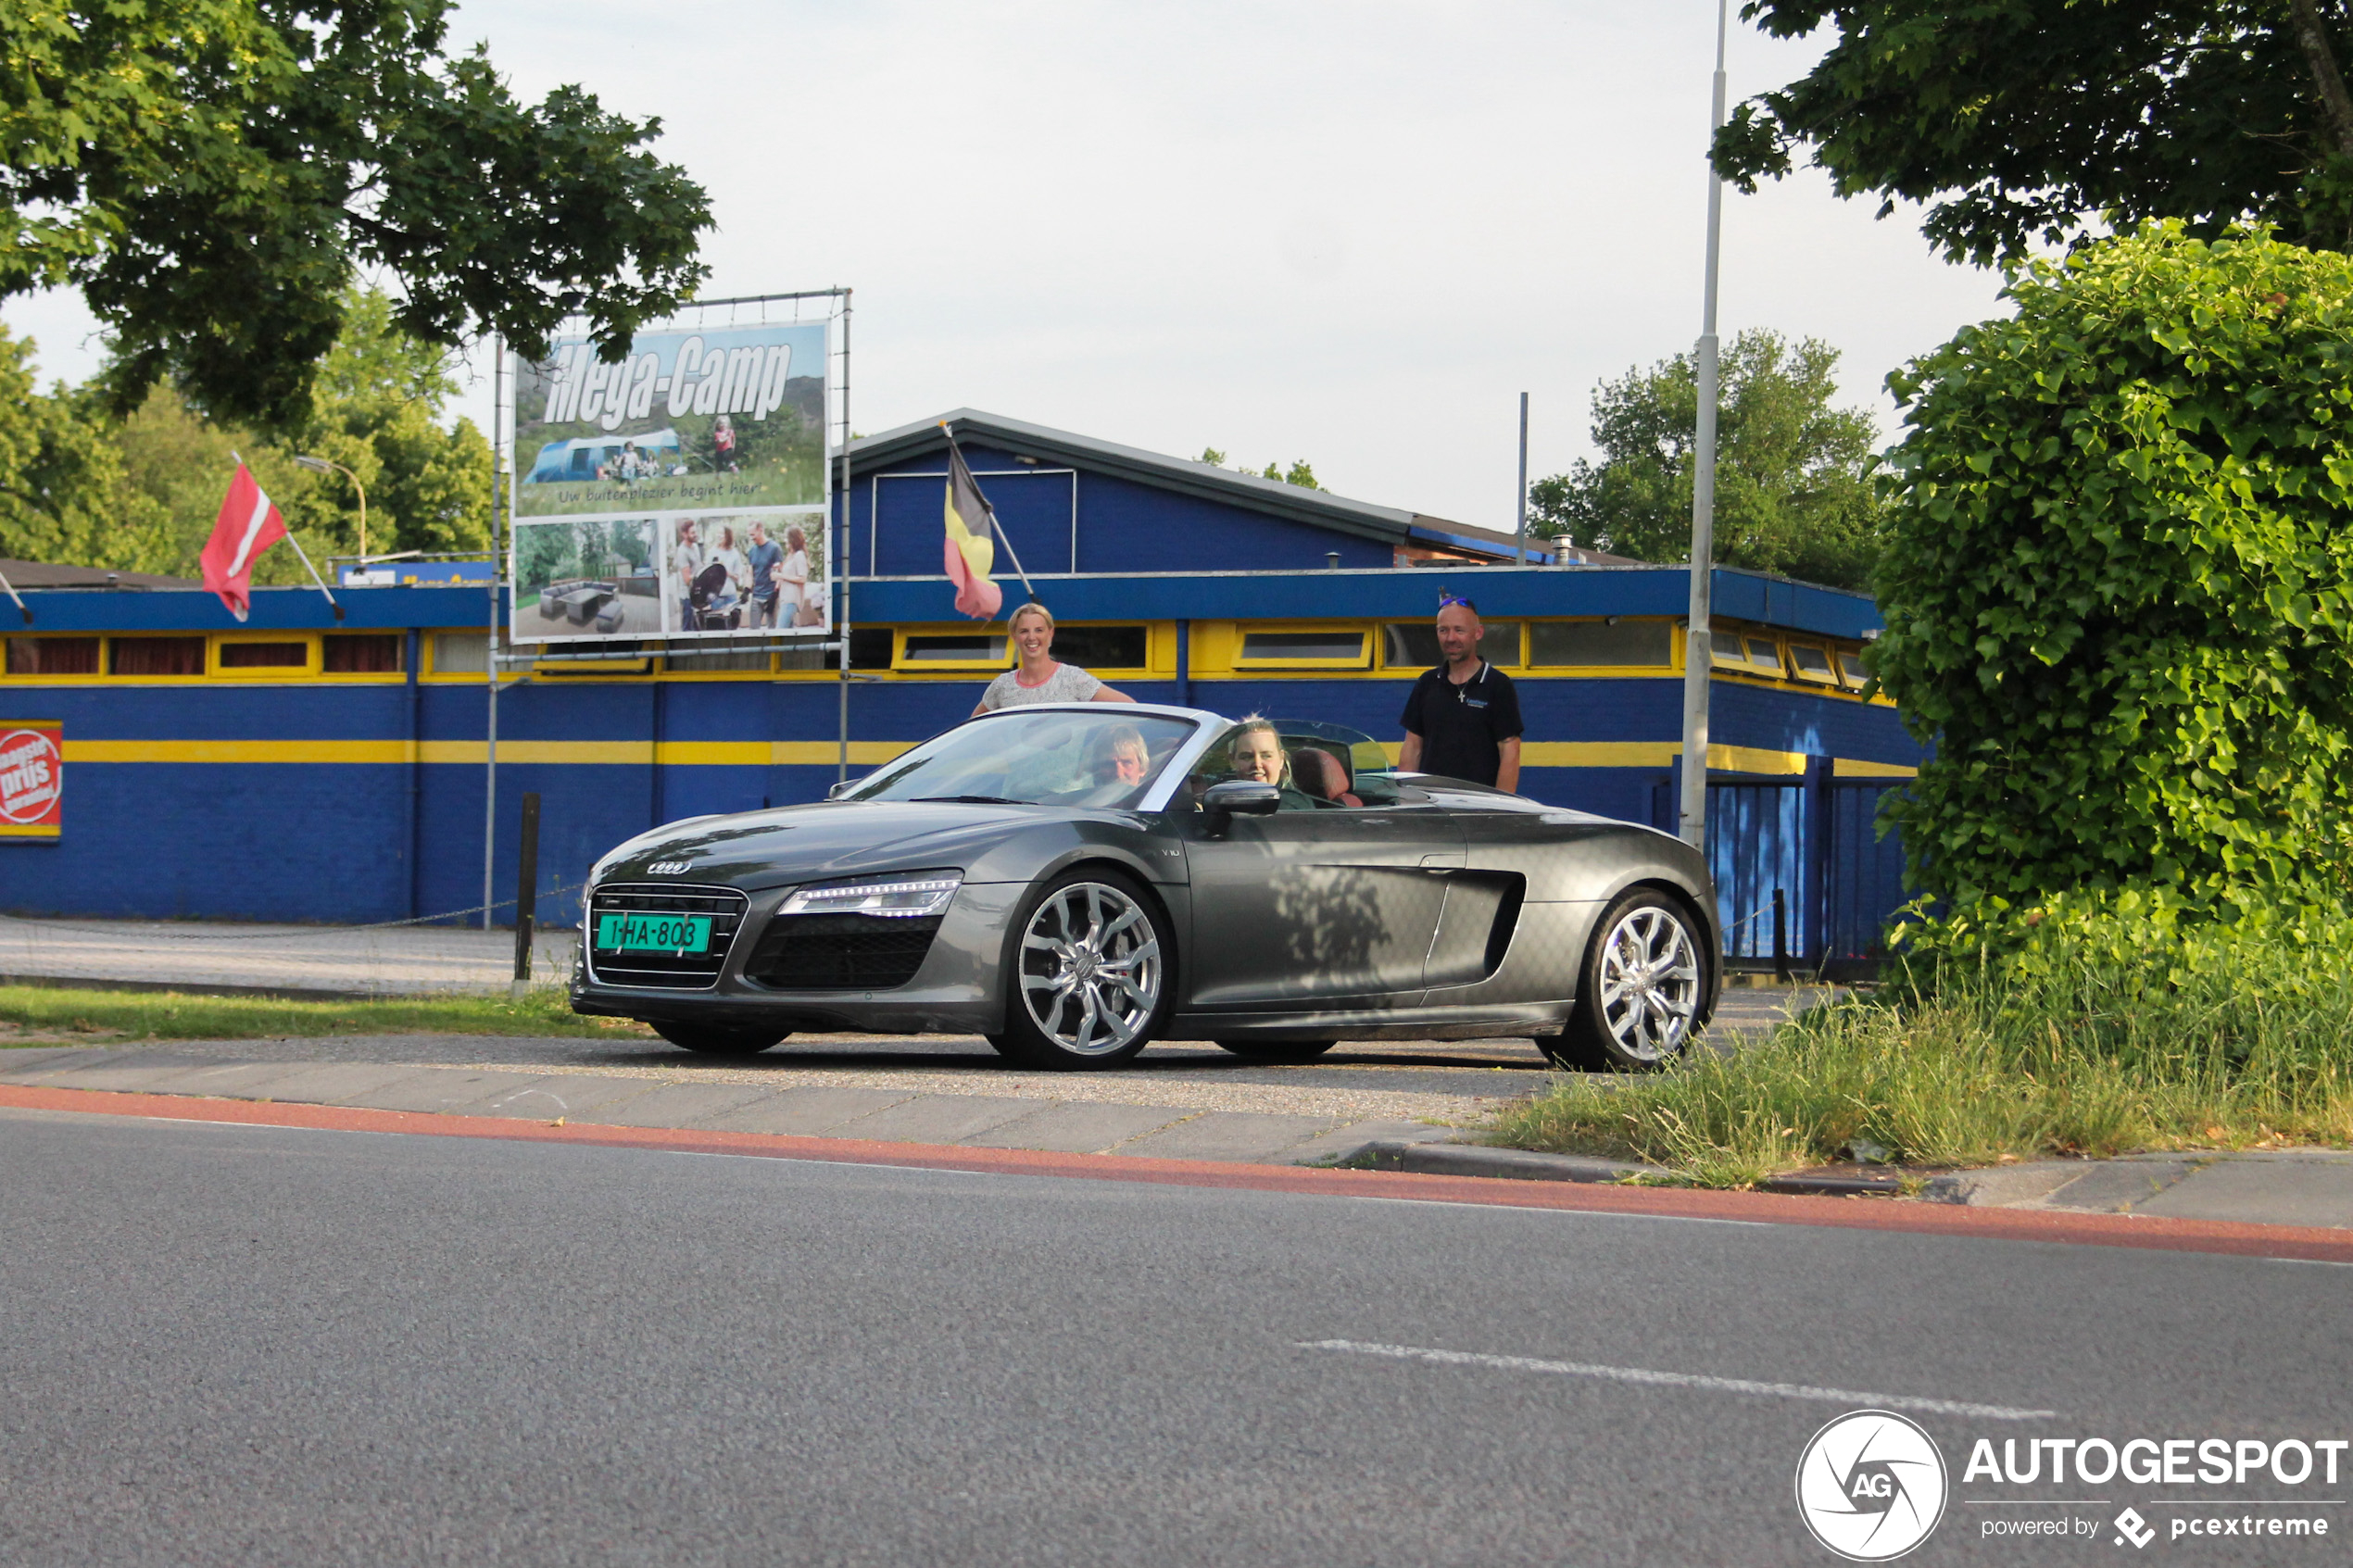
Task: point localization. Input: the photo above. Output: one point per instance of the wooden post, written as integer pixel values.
(526, 895)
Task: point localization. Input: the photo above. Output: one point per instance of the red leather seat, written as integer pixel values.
(1319, 774)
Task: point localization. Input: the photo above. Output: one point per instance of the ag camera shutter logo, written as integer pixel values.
(1871, 1486)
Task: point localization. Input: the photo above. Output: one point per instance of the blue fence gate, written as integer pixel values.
(1814, 841)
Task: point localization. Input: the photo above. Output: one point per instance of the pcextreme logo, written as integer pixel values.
(1871, 1486)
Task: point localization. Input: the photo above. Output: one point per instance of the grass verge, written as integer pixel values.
(2233, 1040)
(38, 1015)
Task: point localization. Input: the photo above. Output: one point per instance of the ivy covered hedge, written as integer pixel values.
(2119, 586)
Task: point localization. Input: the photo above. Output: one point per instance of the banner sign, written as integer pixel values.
(32, 778)
(681, 492)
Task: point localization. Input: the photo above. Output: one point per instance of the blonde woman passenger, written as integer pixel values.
(1255, 753)
(1038, 678)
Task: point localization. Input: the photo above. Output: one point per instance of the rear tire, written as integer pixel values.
(709, 1039)
(1089, 973)
(1278, 1050)
(1642, 991)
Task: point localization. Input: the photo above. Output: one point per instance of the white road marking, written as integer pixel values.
(1682, 1380)
(2316, 1262)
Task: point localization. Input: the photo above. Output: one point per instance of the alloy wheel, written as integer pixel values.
(1091, 969)
(1650, 980)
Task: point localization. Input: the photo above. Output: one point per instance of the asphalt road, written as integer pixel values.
(253, 1345)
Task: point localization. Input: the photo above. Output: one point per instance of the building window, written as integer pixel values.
(870, 649)
(1338, 649)
(1571, 644)
(1103, 647)
(53, 655)
(1412, 645)
(265, 656)
(720, 656)
(1812, 664)
(1851, 673)
(461, 653)
(368, 653)
(1754, 656)
(954, 649)
(156, 655)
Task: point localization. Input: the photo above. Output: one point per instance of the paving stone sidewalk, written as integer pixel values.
(906, 1114)
(2296, 1187)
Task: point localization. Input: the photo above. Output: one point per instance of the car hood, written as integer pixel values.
(793, 844)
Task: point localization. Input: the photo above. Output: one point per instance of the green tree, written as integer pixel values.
(63, 493)
(2017, 119)
(2117, 586)
(1793, 475)
(209, 173)
(375, 407)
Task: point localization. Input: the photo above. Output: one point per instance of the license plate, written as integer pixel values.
(665, 934)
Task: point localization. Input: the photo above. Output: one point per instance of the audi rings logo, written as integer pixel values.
(1871, 1486)
(666, 868)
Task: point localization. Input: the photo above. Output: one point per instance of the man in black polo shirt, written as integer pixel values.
(1462, 718)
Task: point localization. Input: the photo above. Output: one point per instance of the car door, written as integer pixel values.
(1317, 907)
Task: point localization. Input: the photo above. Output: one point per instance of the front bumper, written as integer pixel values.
(957, 989)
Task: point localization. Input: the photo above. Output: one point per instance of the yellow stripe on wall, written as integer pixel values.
(28, 830)
(865, 753)
(621, 753)
(235, 750)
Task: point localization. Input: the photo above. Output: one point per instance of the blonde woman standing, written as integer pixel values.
(1038, 678)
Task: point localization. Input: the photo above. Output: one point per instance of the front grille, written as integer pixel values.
(685, 972)
(841, 952)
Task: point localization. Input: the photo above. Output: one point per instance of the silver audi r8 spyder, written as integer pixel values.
(1075, 880)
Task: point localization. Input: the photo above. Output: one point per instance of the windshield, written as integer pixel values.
(1042, 757)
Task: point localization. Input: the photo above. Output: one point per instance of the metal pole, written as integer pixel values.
(527, 894)
(841, 554)
(490, 640)
(1698, 646)
(1519, 538)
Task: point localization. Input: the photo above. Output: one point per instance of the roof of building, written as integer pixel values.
(54, 574)
(1275, 497)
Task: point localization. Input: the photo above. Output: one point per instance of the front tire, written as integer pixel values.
(1089, 976)
(1277, 1051)
(1642, 991)
(706, 1039)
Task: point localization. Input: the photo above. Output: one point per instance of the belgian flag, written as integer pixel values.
(972, 530)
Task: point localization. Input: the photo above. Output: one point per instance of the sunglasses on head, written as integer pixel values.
(1445, 599)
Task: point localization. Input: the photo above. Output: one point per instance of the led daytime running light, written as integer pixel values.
(902, 899)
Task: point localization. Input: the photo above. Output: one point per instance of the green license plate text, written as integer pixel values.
(667, 933)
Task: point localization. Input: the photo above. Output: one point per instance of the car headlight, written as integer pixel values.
(917, 894)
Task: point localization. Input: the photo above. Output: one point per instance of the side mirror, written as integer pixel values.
(837, 791)
(1239, 797)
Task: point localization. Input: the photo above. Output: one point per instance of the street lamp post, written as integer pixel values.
(322, 465)
(1699, 650)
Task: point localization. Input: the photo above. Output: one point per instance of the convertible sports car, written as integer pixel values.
(1074, 881)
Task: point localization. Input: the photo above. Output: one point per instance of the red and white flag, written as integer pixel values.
(247, 525)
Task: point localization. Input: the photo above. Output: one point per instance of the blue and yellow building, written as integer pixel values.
(298, 768)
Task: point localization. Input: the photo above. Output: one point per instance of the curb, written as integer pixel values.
(2238, 1238)
(1474, 1160)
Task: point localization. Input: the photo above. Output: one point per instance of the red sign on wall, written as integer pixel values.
(32, 778)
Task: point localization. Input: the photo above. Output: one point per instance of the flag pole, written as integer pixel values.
(314, 573)
(995, 527)
(290, 539)
(12, 594)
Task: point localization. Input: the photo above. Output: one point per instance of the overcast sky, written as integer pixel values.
(1349, 233)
